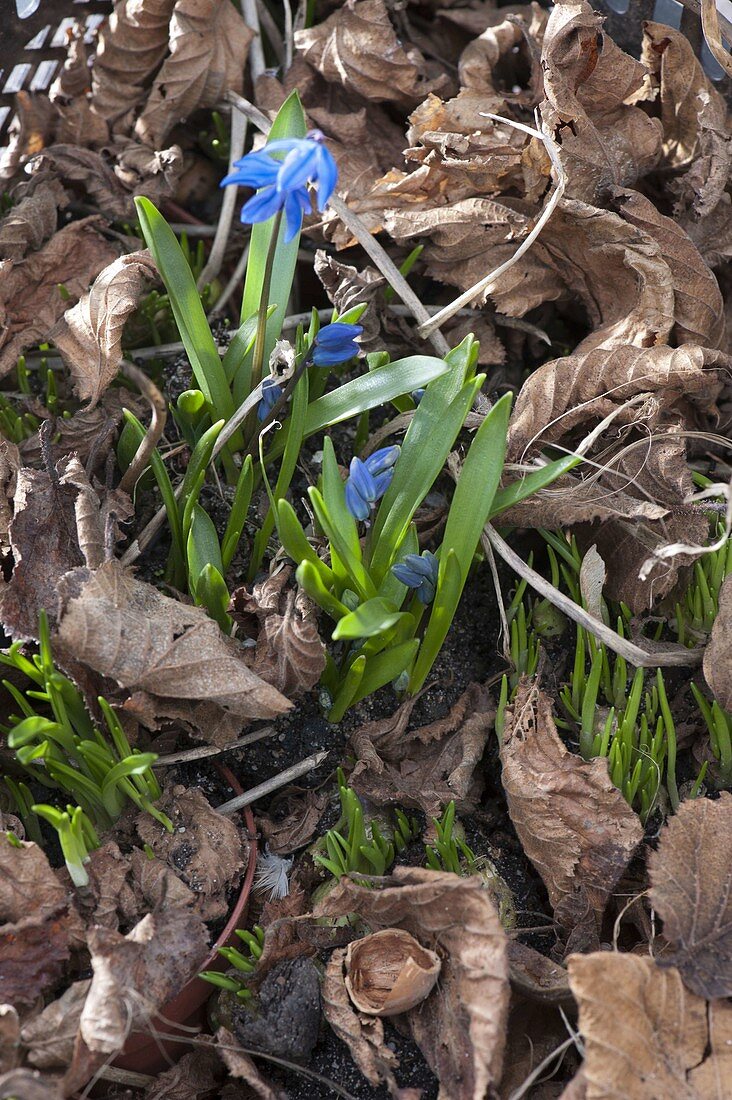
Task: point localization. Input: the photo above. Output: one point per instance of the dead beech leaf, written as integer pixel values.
(241, 1066)
(109, 895)
(389, 972)
(591, 87)
(205, 848)
(698, 305)
(645, 1035)
(49, 1038)
(357, 46)
(461, 1031)
(592, 578)
(9, 1038)
(690, 890)
(574, 825)
(130, 632)
(89, 433)
(427, 767)
(29, 132)
(292, 819)
(718, 654)
(35, 923)
(363, 1035)
(578, 390)
(27, 1084)
(135, 975)
(30, 301)
(289, 653)
(209, 44)
(197, 1076)
(89, 336)
(33, 219)
(131, 45)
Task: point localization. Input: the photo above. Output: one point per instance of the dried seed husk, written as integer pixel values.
(389, 972)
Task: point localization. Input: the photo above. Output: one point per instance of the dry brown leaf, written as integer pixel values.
(33, 219)
(427, 767)
(701, 188)
(89, 336)
(346, 286)
(698, 309)
(289, 653)
(205, 848)
(155, 884)
(9, 1038)
(240, 1065)
(30, 301)
(130, 632)
(209, 44)
(131, 45)
(535, 977)
(135, 975)
(292, 819)
(511, 38)
(591, 87)
(646, 1037)
(43, 515)
(196, 1077)
(27, 1084)
(357, 46)
(108, 896)
(35, 923)
(28, 133)
(718, 654)
(461, 1030)
(684, 92)
(49, 1038)
(89, 433)
(389, 972)
(363, 1035)
(574, 825)
(579, 390)
(690, 890)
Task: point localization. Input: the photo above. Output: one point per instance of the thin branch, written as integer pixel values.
(203, 752)
(559, 177)
(247, 108)
(273, 784)
(634, 654)
(713, 35)
(155, 399)
(228, 204)
(257, 63)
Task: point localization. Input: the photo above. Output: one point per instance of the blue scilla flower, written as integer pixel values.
(419, 571)
(271, 393)
(283, 183)
(335, 343)
(368, 481)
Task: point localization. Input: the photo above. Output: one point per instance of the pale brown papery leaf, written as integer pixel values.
(691, 880)
(645, 1035)
(129, 631)
(209, 43)
(89, 336)
(718, 654)
(461, 1028)
(574, 825)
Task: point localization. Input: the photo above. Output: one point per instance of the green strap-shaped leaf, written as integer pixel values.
(369, 619)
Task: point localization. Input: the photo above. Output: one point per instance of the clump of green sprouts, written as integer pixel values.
(449, 852)
(58, 746)
(243, 962)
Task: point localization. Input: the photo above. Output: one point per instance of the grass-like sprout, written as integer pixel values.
(77, 837)
(67, 752)
(239, 961)
(719, 724)
(449, 851)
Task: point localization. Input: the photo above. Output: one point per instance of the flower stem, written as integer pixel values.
(260, 339)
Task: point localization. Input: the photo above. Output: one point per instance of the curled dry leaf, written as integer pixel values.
(357, 46)
(389, 972)
(135, 975)
(645, 1035)
(35, 923)
(241, 1066)
(591, 87)
(574, 825)
(462, 1032)
(292, 820)
(363, 1035)
(718, 655)
(198, 1076)
(49, 1038)
(131, 45)
(209, 44)
(205, 848)
(428, 767)
(9, 1038)
(289, 653)
(89, 336)
(690, 889)
(33, 219)
(28, 1084)
(30, 301)
(147, 642)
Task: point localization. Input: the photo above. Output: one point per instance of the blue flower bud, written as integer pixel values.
(368, 481)
(335, 343)
(419, 571)
(271, 393)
